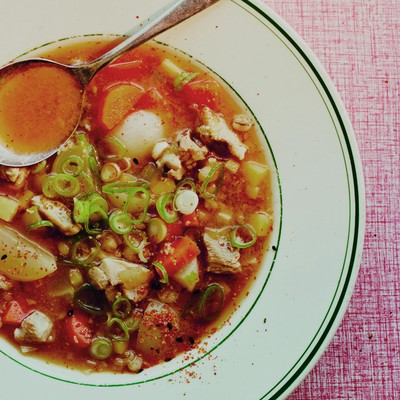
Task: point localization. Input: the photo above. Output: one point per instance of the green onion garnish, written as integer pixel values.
(164, 205)
(111, 148)
(136, 240)
(100, 348)
(47, 187)
(240, 231)
(117, 330)
(73, 165)
(161, 271)
(120, 222)
(183, 78)
(81, 210)
(65, 185)
(38, 168)
(140, 198)
(91, 300)
(40, 224)
(219, 169)
(211, 302)
(84, 251)
(121, 307)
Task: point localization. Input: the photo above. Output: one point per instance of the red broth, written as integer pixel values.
(140, 277)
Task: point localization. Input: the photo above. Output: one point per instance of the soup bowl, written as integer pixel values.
(290, 311)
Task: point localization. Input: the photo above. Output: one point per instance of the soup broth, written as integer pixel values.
(141, 235)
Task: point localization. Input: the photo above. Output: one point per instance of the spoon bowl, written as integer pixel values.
(164, 19)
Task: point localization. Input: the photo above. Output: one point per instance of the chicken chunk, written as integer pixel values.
(213, 127)
(15, 175)
(221, 256)
(189, 147)
(58, 213)
(133, 278)
(35, 328)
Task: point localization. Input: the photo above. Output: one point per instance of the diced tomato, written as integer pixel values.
(174, 229)
(78, 329)
(150, 99)
(116, 103)
(176, 255)
(204, 92)
(15, 312)
(191, 220)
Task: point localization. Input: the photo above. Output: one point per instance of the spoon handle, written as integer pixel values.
(164, 19)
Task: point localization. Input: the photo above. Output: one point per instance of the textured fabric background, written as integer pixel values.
(358, 43)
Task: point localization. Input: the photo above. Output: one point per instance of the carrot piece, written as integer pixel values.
(117, 102)
(176, 255)
(78, 329)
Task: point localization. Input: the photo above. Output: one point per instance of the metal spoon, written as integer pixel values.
(164, 19)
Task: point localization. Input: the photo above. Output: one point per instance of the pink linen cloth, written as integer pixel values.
(358, 42)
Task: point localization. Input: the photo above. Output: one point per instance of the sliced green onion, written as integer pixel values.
(183, 78)
(84, 251)
(164, 205)
(117, 330)
(161, 270)
(238, 232)
(47, 187)
(110, 172)
(66, 185)
(86, 184)
(100, 348)
(185, 201)
(96, 214)
(120, 222)
(81, 210)
(219, 169)
(186, 184)
(40, 224)
(38, 168)
(211, 302)
(99, 200)
(121, 307)
(111, 148)
(120, 187)
(134, 320)
(73, 165)
(91, 300)
(136, 240)
(144, 197)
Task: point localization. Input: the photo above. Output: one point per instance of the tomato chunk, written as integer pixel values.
(204, 92)
(78, 329)
(176, 255)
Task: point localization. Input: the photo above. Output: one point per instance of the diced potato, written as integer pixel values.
(255, 172)
(261, 222)
(170, 68)
(157, 329)
(22, 259)
(163, 185)
(31, 216)
(25, 198)
(252, 191)
(8, 208)
(188, 276)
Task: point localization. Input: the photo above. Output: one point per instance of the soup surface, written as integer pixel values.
(141, 235)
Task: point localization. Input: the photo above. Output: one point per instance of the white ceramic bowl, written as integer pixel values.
(303, 287)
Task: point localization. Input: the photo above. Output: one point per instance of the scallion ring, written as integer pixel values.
(40, 224)
(240, 231)
(40, 167)
(97, 199)
(120, 222)
(111, 148)
(85, 251)
(137, 203)
(121, 307)
(117, 330)
(47, 187)
(66, 185)
(183, 78)
(219, 169)
(100, 348)
(91, 300)
(81, 210)
(136, 240)
(186, 184)
(211, 302)
(161, 271)
(165, 208)
(96, 215)
(73, 165)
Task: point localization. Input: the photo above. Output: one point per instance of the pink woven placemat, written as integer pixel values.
(358, 42)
